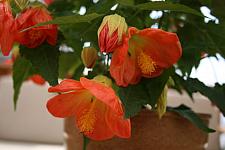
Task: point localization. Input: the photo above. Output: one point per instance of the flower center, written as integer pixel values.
(87, 120)
(146, 64)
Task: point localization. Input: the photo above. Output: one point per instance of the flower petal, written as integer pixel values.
(38, 79)
(66, 86)
(7, 36)
(121, 52)
(67, 105)
(101, 130)
(163, 47)
(103, 93)
(118, 124)
(125, 73)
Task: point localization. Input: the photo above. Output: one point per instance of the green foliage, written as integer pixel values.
(133, 98)
(73, 19)
(187, 113)
(68, 63)
(21, 70)
(148, 91)
(215, 94)
(45, 60)
(162, 6)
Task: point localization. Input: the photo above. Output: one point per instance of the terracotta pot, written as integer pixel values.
(148, 133)
(5, 69)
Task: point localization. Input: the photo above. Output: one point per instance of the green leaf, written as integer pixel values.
(126, 2)
(78, 72)
(218, 9)
(45, 60)
(68, 63)
(215, 94)
(73, 19)
(159, 82)
(134, 97)
(168, 6)
(192, 117)
(206, 2)
(21, 70)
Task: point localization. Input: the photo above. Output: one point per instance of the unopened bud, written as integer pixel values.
(89, 56)
(110, 32)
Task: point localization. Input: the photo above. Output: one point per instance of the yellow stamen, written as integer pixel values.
(146, 64)
(87, 120)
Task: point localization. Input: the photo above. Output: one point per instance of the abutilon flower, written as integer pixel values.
(89, 56)
(7, 27)
(35, 36)
(144, 53)
(97, 110)
(110, 32)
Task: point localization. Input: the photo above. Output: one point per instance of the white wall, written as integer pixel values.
(31, 121)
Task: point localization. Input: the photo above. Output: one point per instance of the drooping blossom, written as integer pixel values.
(97, 110)
(144, 53)
(7, 27)
(110, 32)
(35, 36)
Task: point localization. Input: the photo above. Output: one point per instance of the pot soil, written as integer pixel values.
(172, 132)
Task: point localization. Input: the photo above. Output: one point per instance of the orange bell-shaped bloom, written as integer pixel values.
(144, 53)
(35, 36)
(7, 27)
(110, 32)
(97, 110)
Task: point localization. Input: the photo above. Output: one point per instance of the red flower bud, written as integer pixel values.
(110, 32)
(89, 56)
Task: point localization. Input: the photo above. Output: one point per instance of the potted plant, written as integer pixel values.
(116, 60)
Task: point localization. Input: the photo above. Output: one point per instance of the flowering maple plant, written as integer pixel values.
(110, 59)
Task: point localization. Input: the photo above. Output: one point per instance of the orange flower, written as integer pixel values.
(98, 111)
(144, 53)
(37, 79)
(110, 32)
(35, 36)
(7, 27)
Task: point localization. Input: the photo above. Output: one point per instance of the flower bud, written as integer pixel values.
(110, 32)
(89, 56)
